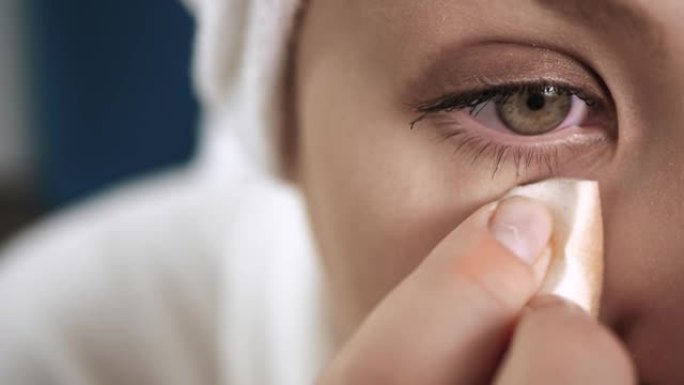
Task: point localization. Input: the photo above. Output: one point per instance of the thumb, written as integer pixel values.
(450, 320)
(501, 252)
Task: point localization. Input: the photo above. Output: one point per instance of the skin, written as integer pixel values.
(382, 197)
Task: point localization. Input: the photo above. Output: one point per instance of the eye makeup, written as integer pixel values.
(524, 106)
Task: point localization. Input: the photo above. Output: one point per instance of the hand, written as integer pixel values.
(467, 315)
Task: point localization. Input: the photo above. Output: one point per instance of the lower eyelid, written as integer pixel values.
(461, 121)
(568, 135)
(579, 152)
(544, 155)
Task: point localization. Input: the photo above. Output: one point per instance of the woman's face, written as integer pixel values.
(412, 114)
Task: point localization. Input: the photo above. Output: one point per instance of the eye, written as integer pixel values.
(532, 111)
(539, 126)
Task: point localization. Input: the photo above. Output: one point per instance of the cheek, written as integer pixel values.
(381, 196)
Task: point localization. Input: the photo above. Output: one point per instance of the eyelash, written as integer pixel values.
(478, 147)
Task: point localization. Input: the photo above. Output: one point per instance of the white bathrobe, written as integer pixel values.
(203, 275)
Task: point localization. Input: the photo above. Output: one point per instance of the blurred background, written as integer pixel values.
(91, 94)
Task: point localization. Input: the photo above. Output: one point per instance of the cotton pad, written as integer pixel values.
(576, 269)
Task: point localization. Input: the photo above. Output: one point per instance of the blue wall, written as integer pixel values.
(112, 92)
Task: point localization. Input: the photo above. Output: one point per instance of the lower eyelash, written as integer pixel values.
(477, 148)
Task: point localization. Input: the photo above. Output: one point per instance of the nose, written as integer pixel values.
(643, 301)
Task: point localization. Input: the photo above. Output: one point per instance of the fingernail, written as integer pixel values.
(549, 300)
(553, 301)
(523, 226)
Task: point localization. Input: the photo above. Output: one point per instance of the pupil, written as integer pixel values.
(536, 102)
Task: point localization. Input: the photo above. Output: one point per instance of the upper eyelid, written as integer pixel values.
(477, 67)
(487, 94)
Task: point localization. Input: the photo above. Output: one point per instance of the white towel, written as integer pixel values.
(137, 286)
(240, 56)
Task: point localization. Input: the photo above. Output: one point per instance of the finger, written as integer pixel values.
(449, 321)
(558, 343)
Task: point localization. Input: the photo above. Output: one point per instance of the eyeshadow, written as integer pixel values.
(482, 65)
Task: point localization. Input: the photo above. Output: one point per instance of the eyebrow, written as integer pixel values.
(614, 17)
